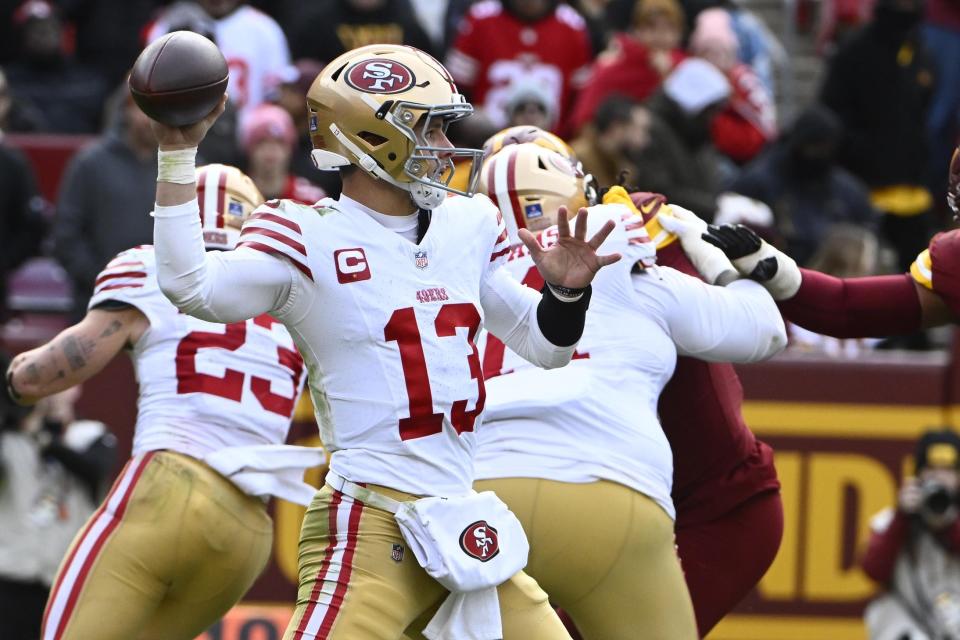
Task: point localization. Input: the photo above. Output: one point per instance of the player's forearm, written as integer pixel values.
(513, 314)
(854, 307)
(71, 358)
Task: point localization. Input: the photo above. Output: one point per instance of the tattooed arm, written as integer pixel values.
(75, 355)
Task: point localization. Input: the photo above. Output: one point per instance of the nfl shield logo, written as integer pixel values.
(397, 553)
(235, 208)
(420, 259)
(534, 211)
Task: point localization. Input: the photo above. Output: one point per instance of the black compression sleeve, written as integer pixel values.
(562, 322)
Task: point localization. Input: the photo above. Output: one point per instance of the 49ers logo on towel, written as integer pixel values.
(479, 540)
(380, 76)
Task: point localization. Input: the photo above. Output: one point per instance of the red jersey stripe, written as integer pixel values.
(257, 246)
(272, 217)
(279, 237)
(120, 274)
(502, 252)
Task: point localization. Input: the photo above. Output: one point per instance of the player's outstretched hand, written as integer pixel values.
(171, 138)
(573, 260)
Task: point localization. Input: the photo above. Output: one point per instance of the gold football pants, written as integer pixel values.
(359, 581)
(605, 553)
(169, 551)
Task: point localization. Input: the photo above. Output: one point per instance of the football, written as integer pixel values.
(179, 78)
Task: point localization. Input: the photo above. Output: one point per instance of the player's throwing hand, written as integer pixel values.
(572, 261)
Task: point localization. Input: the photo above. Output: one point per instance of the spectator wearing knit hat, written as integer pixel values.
(637, 61)
(268, 139)
(748, 122)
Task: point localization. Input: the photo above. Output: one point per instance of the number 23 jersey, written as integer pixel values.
(204, 386)
(387, 327)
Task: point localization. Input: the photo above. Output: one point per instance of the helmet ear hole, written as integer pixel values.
(373, 139)
(540, 164)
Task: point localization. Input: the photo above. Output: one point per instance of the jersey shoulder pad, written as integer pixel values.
(276, 228)
(944, 267)
(130, 277)
(490, 226)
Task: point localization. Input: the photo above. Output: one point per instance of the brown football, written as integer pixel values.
(179, 78)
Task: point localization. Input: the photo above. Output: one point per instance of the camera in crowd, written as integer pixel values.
(938, 499)
(938, 461)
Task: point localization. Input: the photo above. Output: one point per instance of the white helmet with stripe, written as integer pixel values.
(227, 197)
(528, 183)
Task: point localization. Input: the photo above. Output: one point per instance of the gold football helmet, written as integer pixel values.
(528, 133)
(227, 197)
(378, 107)
(529, 182)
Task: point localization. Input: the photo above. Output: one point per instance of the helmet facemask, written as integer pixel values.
(431, 166)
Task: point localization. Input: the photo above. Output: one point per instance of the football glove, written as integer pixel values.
(756, 259)
(709, 260)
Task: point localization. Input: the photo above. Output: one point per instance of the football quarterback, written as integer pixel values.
(176, 543)
(578, 453)
(384, 290)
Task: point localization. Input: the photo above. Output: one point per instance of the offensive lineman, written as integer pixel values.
(729, 515)
(383, 291)
(578, 453)
(175, 544)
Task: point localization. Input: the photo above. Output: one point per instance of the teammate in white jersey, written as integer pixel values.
(384, 291)
(175, 544)
(578, 453)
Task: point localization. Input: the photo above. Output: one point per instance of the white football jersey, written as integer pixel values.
(387, 329)
(203, 386)
(596, 419)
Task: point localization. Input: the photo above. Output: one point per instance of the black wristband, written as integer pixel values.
(562, 322)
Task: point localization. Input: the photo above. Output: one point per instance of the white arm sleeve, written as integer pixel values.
(510, 309)
(216, 286)
(736, 323)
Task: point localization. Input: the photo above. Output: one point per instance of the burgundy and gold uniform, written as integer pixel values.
(725, 488)
(937, 268)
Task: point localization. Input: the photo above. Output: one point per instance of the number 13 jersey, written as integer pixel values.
(387, 329)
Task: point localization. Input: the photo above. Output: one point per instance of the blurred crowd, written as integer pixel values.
(672, 96)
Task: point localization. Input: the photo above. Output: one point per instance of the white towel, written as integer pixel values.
(467, 616)
(269, 470)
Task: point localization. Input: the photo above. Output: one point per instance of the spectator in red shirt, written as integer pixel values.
(748, 122)
(268, 138)
(914, 550)
(637, 61)
(507, 42)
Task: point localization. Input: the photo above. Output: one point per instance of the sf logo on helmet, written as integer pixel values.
(479, 540)
(380, 76)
